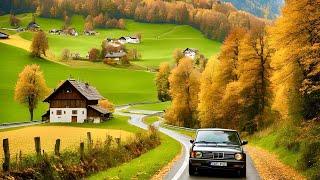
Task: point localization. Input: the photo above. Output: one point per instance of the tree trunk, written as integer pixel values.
(31, 114)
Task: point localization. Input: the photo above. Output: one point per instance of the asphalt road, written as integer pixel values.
(179, 171)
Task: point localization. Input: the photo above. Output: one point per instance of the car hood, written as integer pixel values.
(217, 148)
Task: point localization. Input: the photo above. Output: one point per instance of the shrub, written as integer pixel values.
(65, 55)
(94, 54)
(289, 138)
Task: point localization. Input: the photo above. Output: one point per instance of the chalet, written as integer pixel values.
(90, 33)
(129, 39)
(70, 31)
(55, 31)
(75, 101)
(190, 52)
(33, 26)
(116, 56)
(3, 35)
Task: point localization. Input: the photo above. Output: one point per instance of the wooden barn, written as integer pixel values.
(77, 102)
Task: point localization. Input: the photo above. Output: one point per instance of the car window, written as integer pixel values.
(222, 137)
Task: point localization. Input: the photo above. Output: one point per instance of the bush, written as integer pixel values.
(94, 54)
(65, 55)
(289, 138)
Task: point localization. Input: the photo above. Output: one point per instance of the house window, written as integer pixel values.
(64, 112)
(82, 112)
(59, 112)
(74, 112)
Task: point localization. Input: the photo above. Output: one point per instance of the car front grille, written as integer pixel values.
(218, 155)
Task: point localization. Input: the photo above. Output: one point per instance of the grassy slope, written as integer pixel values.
(119, 85)
(145, 166)
(152, 107)
(159, 40)
(150, 119)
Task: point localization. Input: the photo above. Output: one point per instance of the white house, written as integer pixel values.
(190, 52)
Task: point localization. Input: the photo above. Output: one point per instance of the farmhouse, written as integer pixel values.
(190, 52)
(55, 31)
(90, 33)
(129, 39)
(75, 101)
(3, 35)
(116, 56)
(33, 26)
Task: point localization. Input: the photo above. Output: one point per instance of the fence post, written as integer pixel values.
(81, 151)
(37, 145)
(6, 163)
(89, 139)
(57, 148)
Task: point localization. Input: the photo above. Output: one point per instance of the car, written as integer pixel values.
(217, 150)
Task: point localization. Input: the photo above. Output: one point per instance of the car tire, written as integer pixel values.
(243, 172)
(192, 170)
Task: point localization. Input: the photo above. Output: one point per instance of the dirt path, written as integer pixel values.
(269, 167)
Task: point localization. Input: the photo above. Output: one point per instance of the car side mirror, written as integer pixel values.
(244, 142)
(191, 141)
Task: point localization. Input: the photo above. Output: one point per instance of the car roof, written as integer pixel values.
(215, 129)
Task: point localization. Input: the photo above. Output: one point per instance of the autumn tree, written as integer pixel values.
(65, 54)
(162, 82)
(94, 54)
(14, 21)
(89, 26)
(295, 38)
(106, 104)
(177, 55)
(31, 87)
(184, 88)
(39, 44)
(133, 54)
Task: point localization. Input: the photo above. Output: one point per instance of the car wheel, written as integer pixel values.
(192, 170)
(243, 172)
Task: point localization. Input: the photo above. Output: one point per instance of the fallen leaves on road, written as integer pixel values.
(269, 167)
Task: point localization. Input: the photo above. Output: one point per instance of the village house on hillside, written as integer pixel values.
(3, 35)
(116, 56)
(129, 39)
(33, 26)
(190, 52)
(77, 102)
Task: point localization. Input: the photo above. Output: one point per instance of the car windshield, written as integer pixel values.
(218, 137)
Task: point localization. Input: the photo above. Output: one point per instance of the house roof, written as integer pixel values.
(33, 24)
(190, 49)
(89, 92)
(99, 109)
(115, 55)
(3, 35)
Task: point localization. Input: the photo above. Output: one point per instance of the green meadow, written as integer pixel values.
(119, 85)
(158, 40)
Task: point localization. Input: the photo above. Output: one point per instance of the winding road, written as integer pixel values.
(179, 171)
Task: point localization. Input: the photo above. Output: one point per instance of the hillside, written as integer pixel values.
(262, 8)
(119, 85)
(158, 40)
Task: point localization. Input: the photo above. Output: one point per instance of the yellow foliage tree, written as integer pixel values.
(106, 104)
(184, 88)
(31, 87)
(39, 44)
(295, 38)
(162, 82)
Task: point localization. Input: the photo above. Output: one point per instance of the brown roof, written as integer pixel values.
(89, 92)
(99, 109)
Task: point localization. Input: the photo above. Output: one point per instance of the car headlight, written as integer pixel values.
(238, 156)
(196, 154)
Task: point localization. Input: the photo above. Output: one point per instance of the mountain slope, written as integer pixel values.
(262, 8)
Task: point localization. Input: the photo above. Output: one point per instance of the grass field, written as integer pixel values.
(152, 107)
(145, 166)
(118, 85)
(150, 119)
(158, 40)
